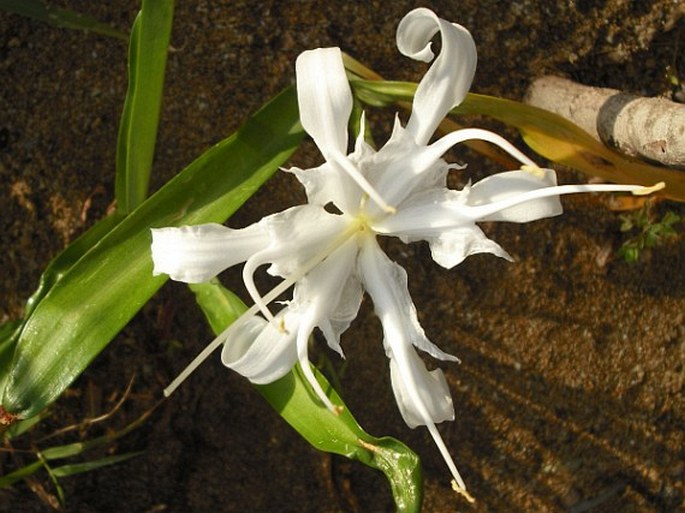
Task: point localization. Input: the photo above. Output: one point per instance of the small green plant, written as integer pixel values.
(63, 460)
(648, 232)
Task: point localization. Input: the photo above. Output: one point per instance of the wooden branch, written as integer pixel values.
(648, 128)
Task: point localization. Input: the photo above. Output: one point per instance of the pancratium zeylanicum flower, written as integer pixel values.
(331, 255)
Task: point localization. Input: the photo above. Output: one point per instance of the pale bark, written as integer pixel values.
(648, 128)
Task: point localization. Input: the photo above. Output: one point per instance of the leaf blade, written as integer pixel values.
(58, 17)
(100, 293)
(71, 469)
(147, 58)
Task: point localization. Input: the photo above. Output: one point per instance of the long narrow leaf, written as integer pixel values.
(21, 473)
(8, 333)
(100, 293)
(292, 397)
(88, 466)
(59, 265)
(550, 135)
(73, 449)
(52, 274)
(59, 17)
(138, 129)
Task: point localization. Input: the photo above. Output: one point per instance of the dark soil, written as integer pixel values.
(570, 394)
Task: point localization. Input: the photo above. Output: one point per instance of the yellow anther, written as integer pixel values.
(533, 170)
(462, 491)
(644, 191)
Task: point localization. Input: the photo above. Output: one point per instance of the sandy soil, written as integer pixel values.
(570, 394)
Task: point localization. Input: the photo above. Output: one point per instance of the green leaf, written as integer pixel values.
(8, 332)
(88, 466)
(550, 135)
(52, 274)
(21, 473)
(59, 265)
(147, 58)
(292, 397)
(100, 292)
(74, 449)
(59, 17)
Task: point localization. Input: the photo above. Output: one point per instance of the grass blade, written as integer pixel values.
(138, 128)
(58, 17)
(88, 466)
(21, 473)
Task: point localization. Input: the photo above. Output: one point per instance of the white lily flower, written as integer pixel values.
(331, 257)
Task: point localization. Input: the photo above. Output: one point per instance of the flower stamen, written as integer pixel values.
(363, 183)
(481, 211)
(466, 134)
(645, 191)
(463, 492)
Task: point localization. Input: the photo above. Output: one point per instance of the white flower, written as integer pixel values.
(331, 255)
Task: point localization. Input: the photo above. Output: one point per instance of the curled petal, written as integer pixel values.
(263, 351)
(449, 78)
(407, 372)
(325, 99)
(195, 254)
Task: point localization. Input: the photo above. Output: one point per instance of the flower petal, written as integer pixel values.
(402, 168)
(319, 297)
(451, 247)
(422, 397)
(386, 283)
(331, 293)
(426, 214)
(295, 237)
(325, 99)
(506, 185)
(411, 380)
(195, 254)
(328, 183)
(449, 78)
(263, 351)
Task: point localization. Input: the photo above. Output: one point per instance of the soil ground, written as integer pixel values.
(569, 397)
